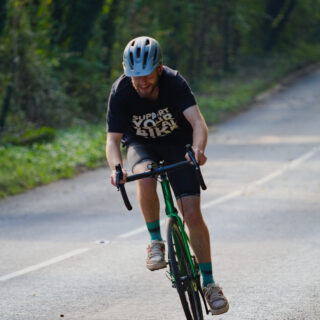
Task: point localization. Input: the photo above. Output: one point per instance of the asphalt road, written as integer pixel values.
(70, 250)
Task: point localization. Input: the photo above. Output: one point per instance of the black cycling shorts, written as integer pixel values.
(183, 181)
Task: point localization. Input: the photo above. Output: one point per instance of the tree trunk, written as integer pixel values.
(226, 30)
(3, 14)
(57, 11)
(5, 107)
(84, 18)
(278, 12)
(109, 32)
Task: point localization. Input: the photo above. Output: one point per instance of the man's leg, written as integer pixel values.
(149, 205)
(147, 194)
(199, 235)
(200, 240)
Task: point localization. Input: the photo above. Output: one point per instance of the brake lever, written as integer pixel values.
(119, 175)
(120, 186)
(197, 167)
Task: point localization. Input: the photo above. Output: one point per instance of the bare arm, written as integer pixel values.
(113, 154)
(200, 132)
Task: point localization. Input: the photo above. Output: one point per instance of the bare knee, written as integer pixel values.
(194, 219)
(146, 186)
(190, 209)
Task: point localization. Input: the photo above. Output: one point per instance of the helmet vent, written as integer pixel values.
(147, 42)
(145, 58)
(138, 52)
(155, 55)
(132, 43)
(131, 58)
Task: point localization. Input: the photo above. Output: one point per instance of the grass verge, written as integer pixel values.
(73, 150)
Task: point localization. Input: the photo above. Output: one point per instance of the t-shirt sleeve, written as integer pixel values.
(183, 93)
(117, 118)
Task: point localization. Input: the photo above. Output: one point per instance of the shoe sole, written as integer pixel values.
(220, 311)
(156, 267)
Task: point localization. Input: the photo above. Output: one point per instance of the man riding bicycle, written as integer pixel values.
(153, 112)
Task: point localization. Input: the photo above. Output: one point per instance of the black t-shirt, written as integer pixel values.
(160, 120)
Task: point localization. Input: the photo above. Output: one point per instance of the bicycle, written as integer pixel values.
(183, 271)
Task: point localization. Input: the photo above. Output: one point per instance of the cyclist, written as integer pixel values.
(153, 112)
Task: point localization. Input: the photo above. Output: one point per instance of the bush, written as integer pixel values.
(24, 167)
(41, 135)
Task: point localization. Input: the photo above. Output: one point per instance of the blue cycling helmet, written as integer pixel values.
(141, 56)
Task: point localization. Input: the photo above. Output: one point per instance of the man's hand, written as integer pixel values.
(114, 177)
(199, 156)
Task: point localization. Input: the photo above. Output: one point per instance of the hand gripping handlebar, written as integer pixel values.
(157, 171)
(196, 166)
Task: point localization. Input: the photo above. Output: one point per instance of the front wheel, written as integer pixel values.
(181, 272)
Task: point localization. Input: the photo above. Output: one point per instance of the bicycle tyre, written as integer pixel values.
(181, 270)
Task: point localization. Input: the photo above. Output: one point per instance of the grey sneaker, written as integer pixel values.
(217, 302)
(155, 259)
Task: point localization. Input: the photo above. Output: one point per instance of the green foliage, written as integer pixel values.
(61, 57)
(37, 94)
(40, 135)
(23, 167)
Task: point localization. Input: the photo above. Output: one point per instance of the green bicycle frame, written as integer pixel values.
(171, 211)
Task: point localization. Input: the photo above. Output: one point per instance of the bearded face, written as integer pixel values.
(147, 86)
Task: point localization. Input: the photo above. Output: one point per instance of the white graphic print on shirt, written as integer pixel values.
(153, 125)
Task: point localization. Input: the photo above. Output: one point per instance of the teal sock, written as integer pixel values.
(154, 230)
(206, 271)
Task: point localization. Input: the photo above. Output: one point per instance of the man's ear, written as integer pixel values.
(160, 68)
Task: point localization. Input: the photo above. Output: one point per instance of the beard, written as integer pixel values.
(149, 92)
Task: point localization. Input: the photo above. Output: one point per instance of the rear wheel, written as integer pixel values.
(181, 273)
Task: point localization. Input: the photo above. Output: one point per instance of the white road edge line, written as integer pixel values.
(291, 165)
(44, 264)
